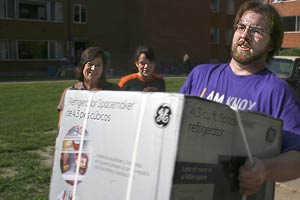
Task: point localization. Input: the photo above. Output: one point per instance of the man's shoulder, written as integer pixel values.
(274, 81)
(270, 85)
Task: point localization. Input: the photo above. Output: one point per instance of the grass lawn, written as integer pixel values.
(28, 129)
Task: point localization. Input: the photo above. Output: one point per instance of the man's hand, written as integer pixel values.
(251, 177)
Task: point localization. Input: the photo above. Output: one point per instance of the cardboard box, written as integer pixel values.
(155, 146)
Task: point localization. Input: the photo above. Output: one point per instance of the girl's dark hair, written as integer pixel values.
(273, 19)
(88, 55)
(143, 49)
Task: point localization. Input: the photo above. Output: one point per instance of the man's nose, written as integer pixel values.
(247, 32)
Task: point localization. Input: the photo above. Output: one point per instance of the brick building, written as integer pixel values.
(36, 34)
(203, 29)
(290, 15)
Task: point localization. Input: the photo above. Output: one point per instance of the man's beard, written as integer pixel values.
(245, 57)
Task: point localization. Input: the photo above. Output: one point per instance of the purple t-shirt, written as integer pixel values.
(261, 92)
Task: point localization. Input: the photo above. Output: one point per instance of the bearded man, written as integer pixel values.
(247, 84)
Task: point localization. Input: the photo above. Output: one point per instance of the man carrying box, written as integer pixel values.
(247, 84)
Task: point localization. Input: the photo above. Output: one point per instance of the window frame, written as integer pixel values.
(215, 6)
(45, 5)
(215, 35)
(4, 9)
(230, 8)
(59, 11)
(81, 8)
(289, 26)
(11, 10)
(229, 35)
(11, 48)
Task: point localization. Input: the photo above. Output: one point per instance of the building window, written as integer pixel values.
(297, 23)
(11, 9)
(7, 49)
(31, 9)
(215, 4)
(55, 50)
(291, 23)
(3, 9)
(214, 35)
(229, 34)
(59, 16)
(40, 50)
(7, 9)
(30, 50)
(38, 10)
(3, 49)
(79, 13)
(230, 7)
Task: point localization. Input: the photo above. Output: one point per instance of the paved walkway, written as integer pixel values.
(288, 190)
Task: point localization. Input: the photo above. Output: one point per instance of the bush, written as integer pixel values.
(290, 52)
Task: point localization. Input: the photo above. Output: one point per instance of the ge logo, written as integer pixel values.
(270, 136)
(163, 115)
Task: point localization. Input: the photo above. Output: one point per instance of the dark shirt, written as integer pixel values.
(134, 82)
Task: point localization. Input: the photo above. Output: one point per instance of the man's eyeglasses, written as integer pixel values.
(255, 31)
(90, 65)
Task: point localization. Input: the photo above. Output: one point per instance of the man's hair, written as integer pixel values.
(143, 49)
(273, 19)
(88, 55)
